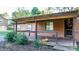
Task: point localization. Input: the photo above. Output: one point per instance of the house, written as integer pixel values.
(3, 23)
(65, 24)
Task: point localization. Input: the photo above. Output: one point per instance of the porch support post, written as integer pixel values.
(73, 31)
(16, 26)
(56, 35)
(36, 30)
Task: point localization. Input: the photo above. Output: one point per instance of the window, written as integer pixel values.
(29, 27)
(3, 28)
(0, 20)
(18, 27)
(49, 26)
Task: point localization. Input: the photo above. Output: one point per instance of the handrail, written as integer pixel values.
(37, 31)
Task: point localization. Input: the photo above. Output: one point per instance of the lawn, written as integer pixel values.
(3, 33)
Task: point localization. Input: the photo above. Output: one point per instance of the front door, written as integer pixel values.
(68, 24)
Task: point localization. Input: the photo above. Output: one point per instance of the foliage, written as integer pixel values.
(35, 11)
(36, 43)
(3, 33)
(48, 10)
(42, 12)
(20, 12)
(10, 28)
(21, 39)
(5, 15)
(77, 49)
(64, 9)
(23, 12)
(77, 8)
(10, 36)
(6, 31)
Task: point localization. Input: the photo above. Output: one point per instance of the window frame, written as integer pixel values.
(30, 27)
(48, 26)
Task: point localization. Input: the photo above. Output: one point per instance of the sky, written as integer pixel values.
(10, 5)
(9, 10)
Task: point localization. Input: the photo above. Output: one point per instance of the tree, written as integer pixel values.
(42, 12)
(35, 11)
(49, 9)
(72, 8)
(5, 15)
(20, 12)
(64, 9)
(59, 9)
(77, 8)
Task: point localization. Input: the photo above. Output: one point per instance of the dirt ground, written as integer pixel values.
(4, 46)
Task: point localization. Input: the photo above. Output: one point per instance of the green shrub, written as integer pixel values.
(10, 36)
(36, 43)
(21, 39)
(77, 48)
(9, 28)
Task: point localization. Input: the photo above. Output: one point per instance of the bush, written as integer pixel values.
(21, 39)
(10, 36)
(10, 27)
(36, 44)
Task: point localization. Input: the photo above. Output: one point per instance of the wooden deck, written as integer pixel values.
(52, 38)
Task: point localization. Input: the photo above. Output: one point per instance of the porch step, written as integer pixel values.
(61, 47)
(64, 48)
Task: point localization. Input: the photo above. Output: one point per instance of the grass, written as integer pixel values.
(3, 33)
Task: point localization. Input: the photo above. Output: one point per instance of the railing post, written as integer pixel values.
(29, 32)
(56, 38)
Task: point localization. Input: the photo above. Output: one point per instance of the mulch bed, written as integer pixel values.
(5, 46)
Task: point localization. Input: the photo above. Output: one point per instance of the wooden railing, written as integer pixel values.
(51, 35)
(46, 34)
(42, 33)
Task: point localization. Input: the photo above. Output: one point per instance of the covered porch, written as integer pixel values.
(60, 28)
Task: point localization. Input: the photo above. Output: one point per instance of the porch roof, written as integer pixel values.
(54, 16)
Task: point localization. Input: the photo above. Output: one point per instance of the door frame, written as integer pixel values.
(68, 32)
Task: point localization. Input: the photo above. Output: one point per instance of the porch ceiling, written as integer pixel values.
(55, 16)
